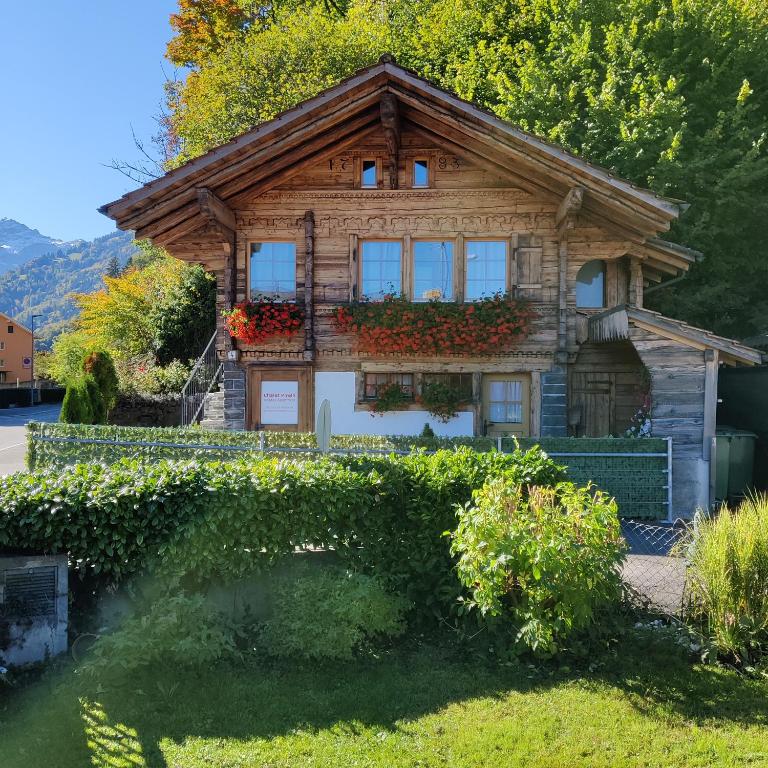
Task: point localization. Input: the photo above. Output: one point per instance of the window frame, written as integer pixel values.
(604, 302)
(249, 257)
(454, 266)
(412, 172)
(390, 379)
(507, 239)
(404, 254)
(376, 159)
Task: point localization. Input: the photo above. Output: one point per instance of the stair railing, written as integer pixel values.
(202, 379)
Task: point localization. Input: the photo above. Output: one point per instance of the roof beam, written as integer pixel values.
(215, 210)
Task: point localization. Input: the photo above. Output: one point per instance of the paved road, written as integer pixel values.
(13, 439)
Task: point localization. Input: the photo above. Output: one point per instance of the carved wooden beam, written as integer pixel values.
(309, 286)
(215, 210)
(569, 207)
(390, 121)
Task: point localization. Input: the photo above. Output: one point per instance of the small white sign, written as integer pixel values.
(279, 402)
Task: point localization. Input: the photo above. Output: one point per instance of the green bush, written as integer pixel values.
(180, 630)
(546, 558)
(330, 613)
(77, 407)
(384, 515)
(728, 579)
(99, 364)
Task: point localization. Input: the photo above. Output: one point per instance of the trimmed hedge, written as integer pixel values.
(384, 515)
(638, 484)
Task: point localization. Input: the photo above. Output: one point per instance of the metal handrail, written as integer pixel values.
(202, 379)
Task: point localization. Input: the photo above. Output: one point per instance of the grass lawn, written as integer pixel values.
(642, 706)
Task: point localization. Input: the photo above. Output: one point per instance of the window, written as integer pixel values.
(459, 382)
(432, 270)
(3, 377)
(376, 383)
(420, 173)
(2, 363)
(590, 285)
(486, 268)
(381, 270)
(369, 176)
(10, 329)
(273, 270)
(505, 401)
(2, 345)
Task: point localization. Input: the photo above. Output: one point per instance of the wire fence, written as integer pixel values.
(656, 568)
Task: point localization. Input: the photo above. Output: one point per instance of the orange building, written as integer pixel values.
(15, 351)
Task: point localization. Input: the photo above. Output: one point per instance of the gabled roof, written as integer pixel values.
(9, 319)
(264, 157)
(614, 324)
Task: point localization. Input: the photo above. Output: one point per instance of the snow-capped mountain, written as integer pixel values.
(19, 244)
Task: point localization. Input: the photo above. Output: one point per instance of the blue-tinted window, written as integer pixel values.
(486, 268)
(273, 270)
(432, 270)
(381, 269)
(420, 173)
(369, 174)
(590, 285)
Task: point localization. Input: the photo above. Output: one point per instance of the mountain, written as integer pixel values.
(19, 243)
(41, 283)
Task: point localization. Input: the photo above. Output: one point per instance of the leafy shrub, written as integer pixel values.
(77, 407)
(99, 364)
(442, 400)
(145, 377)
(181, 630)
(728, 578)
(546, 558)
(384, 515)
(330, 613)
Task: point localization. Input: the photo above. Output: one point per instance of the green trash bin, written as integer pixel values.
(734, 461)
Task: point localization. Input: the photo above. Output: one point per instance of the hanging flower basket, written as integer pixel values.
(253, 322)
(395, 325)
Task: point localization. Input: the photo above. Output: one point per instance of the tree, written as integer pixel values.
(672, 96)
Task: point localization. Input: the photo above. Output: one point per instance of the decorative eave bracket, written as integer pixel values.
(565, 218)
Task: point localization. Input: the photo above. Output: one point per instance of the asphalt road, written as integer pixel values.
(13, 438)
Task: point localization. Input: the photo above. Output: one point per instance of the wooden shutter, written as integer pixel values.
(527, 260)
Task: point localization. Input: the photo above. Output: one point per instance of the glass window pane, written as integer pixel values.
(273, 270)
(369, 173)
(381, 270)
(420, 173)
(590, 285)
(432, 270)
(515, 413)
(497, 412)
(486, 268)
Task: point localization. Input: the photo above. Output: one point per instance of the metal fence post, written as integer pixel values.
(669, 480)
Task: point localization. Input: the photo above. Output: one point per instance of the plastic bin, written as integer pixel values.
(734, 461)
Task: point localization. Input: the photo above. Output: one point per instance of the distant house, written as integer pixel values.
(15, 351)
(387, 184)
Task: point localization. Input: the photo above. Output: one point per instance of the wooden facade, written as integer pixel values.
(305, 179)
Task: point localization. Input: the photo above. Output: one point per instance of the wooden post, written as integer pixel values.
(535, 404)
(309, 280)
(711, 360)
(390, 121)
(635, 282)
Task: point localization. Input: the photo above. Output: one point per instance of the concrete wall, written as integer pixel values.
(339, 389)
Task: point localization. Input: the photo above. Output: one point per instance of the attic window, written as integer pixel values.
(420, 173)
(369, 176)
(10, 329)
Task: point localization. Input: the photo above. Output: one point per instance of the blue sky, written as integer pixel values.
(74, 78)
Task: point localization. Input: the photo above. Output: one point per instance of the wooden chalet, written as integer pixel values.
(385, 182)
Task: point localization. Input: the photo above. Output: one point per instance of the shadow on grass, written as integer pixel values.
(126, 719)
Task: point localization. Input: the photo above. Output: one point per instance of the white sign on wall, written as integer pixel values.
(279, 402)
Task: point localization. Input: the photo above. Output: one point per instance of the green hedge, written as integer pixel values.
(384, 515)
(638, 484)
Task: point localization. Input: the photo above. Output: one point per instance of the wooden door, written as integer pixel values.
(594, 394)
(280, 399)
(507, 404)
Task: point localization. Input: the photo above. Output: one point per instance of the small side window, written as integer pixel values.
(369, 176)
(590, 285)
(421, 173)
(10, 329)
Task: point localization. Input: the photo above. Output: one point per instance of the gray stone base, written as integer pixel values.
(225, 409)
(554, 402)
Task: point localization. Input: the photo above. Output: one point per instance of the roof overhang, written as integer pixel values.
(614, 325)
(168, 208)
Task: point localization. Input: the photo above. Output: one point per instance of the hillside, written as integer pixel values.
(42, 284)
